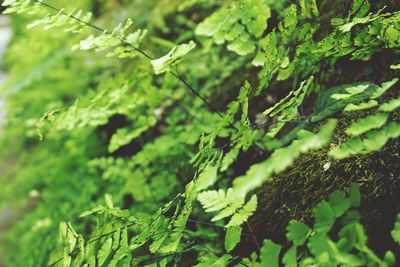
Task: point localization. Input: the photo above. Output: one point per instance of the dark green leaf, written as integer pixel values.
(297, 232)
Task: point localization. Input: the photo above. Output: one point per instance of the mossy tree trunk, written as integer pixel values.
(292, 194)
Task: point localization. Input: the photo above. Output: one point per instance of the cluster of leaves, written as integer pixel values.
(314, 246)
(116, 121)
(374, 126)
(111, 246)
(285, 51)
(241, 23)
(349, 248)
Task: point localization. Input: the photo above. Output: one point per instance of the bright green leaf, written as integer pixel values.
(232, 237)
(269, 254)
(165, 63)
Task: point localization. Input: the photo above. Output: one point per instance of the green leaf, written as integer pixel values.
(269, 254)
(239, 23)
(324, 217)
(366, 124)
(66, 261)
(374, 141)
(351, 216)
(290, 257)
(309, 8)
(243, 214)
(390, 106)
(179, 224)
(350, 147)
(392, 34)
(326, 104)
(212, 260)
(361, 106)
(384, 87)
(232, 237)
(124, 136)
(213, 200)
(297, 232)
(241, 45)
(291, 102)
(389, 258)
(118, 256)
(116, 238)
(358, 89)
(355, 195)
(104, 251)
(231, 207)
(229, 158)
(351, 90)
(283, 157)
(348, 259)
(360, 8)
(222, 261)
(207, 177)
(339, 203)
(395, 67)
(319, 246)
(396, 230)
(109, 201)
(347, 236)
(165, 63)
(158, 242)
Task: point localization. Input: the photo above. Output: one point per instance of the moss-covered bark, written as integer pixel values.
(314, 176)
(293, 194)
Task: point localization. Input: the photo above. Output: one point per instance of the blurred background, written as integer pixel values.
(44, 182)
(5, 35)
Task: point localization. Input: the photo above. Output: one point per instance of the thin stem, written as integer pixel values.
(253, 235)
(197, 94)
(145, 54)
(140, 51)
